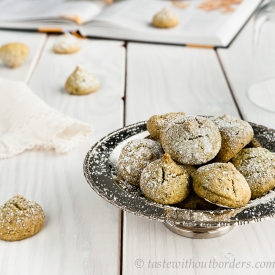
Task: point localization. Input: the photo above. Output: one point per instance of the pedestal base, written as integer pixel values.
(199, 232)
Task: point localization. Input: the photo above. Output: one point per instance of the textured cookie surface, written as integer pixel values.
(165, 19)
(135, 156)
(164, 181)
(20, 218)
(258, 167)
(157, 123)
(222, 184)
(191, 140)
(14, 54)
(81, 82)
(235, 134)
(66, 43)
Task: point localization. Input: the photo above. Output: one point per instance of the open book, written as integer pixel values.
(128, 20)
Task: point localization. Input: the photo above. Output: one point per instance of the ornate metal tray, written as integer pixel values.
(100, 172)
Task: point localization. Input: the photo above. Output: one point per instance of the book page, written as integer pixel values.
(137, 15)
(24, 10)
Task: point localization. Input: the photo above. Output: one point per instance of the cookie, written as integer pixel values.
(194, 202)
(81, 82)
(235, 134)
(135, 156)
(20, 218)
(222, 184)
(14, 54)
(190, 169)
(158, 122)
(165, 182)
(257, 165)
(165, 19)
(66, 44)
(191, 140)
(254, 143)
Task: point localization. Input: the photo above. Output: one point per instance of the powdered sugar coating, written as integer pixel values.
(235, 134)
(191, 140)
(20, 218)
(81, 82)
(135, 156)
(258, 167)
(66, 43)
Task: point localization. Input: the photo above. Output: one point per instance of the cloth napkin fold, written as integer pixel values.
(27, 122)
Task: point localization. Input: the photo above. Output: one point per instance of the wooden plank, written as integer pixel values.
(34, 41)
(243, 67)
(169, 78)
(82, 231)
(162, 79)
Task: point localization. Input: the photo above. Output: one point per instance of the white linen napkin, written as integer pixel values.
(27, 122)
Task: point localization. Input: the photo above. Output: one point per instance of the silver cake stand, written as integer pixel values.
(100, 172)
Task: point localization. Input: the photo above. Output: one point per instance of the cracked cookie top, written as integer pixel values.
(135, 156)
(222, 184)
(164, 181)
(191, 140)
(258, 167)
(235, 134)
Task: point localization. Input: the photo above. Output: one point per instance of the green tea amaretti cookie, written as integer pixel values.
(235, 134)
(258, 167)
(191, 140)
(81, 82)
(164, 181)
(20, 218)
(66, 44)
(165, 19)
(159, 122)
(135, 156)
(14, 54)
(222, 184)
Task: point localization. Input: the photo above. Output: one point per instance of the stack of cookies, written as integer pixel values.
(198, 163)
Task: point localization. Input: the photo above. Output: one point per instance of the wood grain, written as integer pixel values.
(34, 41)
(244, 67)
(162, 79)
(82, 231)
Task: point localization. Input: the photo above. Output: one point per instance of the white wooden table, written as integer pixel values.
(84, 234)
